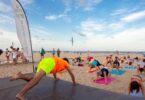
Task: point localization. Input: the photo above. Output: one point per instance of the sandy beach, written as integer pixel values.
(119, 85)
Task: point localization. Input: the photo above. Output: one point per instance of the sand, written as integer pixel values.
(120, 85)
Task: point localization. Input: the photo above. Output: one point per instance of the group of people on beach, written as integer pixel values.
(42, 52)
(54, 65)
(136, 87)
(14, 54)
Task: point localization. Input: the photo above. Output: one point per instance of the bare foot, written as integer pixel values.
(19, 97)
(15, 77)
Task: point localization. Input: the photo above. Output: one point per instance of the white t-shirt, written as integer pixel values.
(14, 54)
(139, 94)
(141, 64)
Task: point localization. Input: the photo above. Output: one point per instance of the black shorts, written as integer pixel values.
(104, 70)
(42, 54)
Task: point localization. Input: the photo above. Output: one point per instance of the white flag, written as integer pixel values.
(22, 27)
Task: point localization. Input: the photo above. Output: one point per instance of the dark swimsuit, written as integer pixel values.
(104, 70)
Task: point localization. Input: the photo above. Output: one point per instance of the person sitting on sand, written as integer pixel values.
(103, 72)
(116, 63)
(45, 67)
(141, 67)
(136, 87)
(94, 65)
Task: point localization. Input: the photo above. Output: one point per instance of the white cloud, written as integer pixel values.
(51, 17)
(89, 4)
(7, 38)
(41, 31)
(116, 26)
(128, 40)
(94, 27)
(90, 25)
(56, 17)
(119, 12)
(26, 2)
(64, 14)
(134, 16)
(67, 3)
(4, 8)
(6, 19)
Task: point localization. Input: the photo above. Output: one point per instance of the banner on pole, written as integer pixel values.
(22, 28)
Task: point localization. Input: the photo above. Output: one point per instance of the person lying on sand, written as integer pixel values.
(136, 87)
(104, 72)
(45, 67)
(94, 65)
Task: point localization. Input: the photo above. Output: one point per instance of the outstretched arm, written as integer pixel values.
(71, 74)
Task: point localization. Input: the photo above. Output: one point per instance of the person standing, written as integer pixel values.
(23, 56)
(53, 52)
(42, 52)
(14, 55)
(1, 51)
(58, 52)
(8, 55)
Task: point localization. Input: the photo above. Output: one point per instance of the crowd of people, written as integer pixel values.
(136, 87)
(14, 54)
(42, 52)
(56, 64)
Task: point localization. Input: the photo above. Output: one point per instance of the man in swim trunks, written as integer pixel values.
(45, 67)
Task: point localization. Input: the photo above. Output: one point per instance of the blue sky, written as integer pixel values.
(94, 24)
